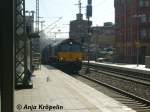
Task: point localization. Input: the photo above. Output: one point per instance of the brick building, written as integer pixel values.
(132, 18)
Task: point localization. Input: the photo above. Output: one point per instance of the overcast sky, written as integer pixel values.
(52, 10)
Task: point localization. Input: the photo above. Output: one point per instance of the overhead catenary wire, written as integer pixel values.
(100, 3)
(53, 23)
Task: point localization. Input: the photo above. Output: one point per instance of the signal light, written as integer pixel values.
(89, 2)
(89, 11)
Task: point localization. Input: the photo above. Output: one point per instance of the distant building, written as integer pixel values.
(103, 37)
(132, 18)
(29, 22)
(79, 29)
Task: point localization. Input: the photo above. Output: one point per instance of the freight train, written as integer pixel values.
(66, 55)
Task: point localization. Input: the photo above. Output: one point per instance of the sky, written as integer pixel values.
(57, 14)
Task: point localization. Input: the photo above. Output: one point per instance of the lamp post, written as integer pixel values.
(88, 45)
(96, 45)
(137, 43)
(88, 15)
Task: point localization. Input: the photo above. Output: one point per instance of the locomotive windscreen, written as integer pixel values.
(76, 48)
(70, 48)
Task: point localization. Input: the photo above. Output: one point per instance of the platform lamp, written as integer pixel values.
(88, 15)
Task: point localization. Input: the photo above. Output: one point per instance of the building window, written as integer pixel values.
(143, 19)
(149, 18)
(142, 3)
(147, 3)
(142, 33)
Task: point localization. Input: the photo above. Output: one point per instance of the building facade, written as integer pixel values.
(102, 39)
(29, 23)
(132, 19)
(79, 29)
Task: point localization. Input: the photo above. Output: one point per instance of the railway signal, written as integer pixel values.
(89, 9)
(88, 15)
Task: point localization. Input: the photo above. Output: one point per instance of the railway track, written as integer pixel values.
(132, 101)
(132, 74)
(123, 80)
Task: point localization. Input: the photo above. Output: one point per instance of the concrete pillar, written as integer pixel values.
(6, 42)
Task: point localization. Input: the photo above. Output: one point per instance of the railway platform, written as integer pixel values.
(123, 66)
(56, 91)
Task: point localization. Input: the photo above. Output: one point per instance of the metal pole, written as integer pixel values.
(137, 60)
(89, 14)
(96, 55)
(138, 41)
(31, 69)
(55, 38)
(40, 53)
(137, 56)
(88, 45)
(7, 44)
(37, 16)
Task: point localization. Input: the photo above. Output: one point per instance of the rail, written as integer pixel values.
(134, 78)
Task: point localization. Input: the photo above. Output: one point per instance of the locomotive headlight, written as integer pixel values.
(80, 59)
(61, 58)
(70, 43)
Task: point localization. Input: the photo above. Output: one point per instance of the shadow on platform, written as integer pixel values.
(50, 67)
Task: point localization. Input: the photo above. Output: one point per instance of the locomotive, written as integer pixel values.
(67, 55)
